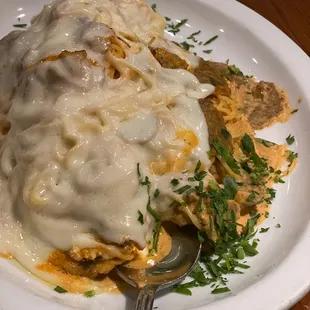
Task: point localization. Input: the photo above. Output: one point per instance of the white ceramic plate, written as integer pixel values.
(280, 274)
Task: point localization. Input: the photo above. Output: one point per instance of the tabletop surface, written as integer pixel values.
(293, 18)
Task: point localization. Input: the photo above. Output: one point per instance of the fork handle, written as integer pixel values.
(146, 297)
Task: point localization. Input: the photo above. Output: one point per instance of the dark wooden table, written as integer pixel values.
(293, 18)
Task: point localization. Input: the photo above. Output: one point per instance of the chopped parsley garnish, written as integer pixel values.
(230, 247)
(156, 236)
(272, 194)
(198, 166)
(146, 181)
(253, 213)
(207, 51)
(294, 111)
(251, 197)
(230, 187)
(60, 290)
(221, 290)
(156, 193)
(175, 28)
(140, 218)
(291, 155)
(193, 35)
(265, 142)
(290, 140)
(153, 6)
(155, 215)
(186, 46)
(183, 189)
(264, 230)
(240, 253)
(248, 232)
(199, 205)
(175, 182)
(199, 176)
(200, 237)
(249, 249)
(224, 154)
(182, 290)
(213, 81)
(20, 25)
(247, 144)
(235, 70)
(90, 293)
(277, 179)
(138, 170)
(278, 225)
(211, 40)
(256, 166)
(225, 133)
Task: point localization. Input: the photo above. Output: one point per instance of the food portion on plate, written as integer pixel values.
(110, 131)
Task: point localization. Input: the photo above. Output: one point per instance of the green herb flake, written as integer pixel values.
(146, 181)
(290, 140)
(155, 215)
(140, 218)
(156, 193)
(183, 189)
(277, 179)
(247, 144)
(249, 249)
(233, 70)
(174, 182)
(186, 46)
(156, 236)
(251, 197)
(211, 40)
(265, 142)
(226, 156)
(207, 51)
(220, 290)
(230, 187)
(271, 192)
(278, 225)
(153, 6)
(253, 213)
(199, 204)
(193, 35)
(20, 25)
(291, 155)
(90, 293)
(60, 290)
(264, 230)
(225, 133)
(182, 290)
(198, 166)
(240, 253)
(294, 111)
(175, 28)
(138, 170)
(200, 237)
(213, 82)
(200, 175)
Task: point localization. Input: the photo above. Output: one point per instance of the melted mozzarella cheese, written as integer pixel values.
(69, 161)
